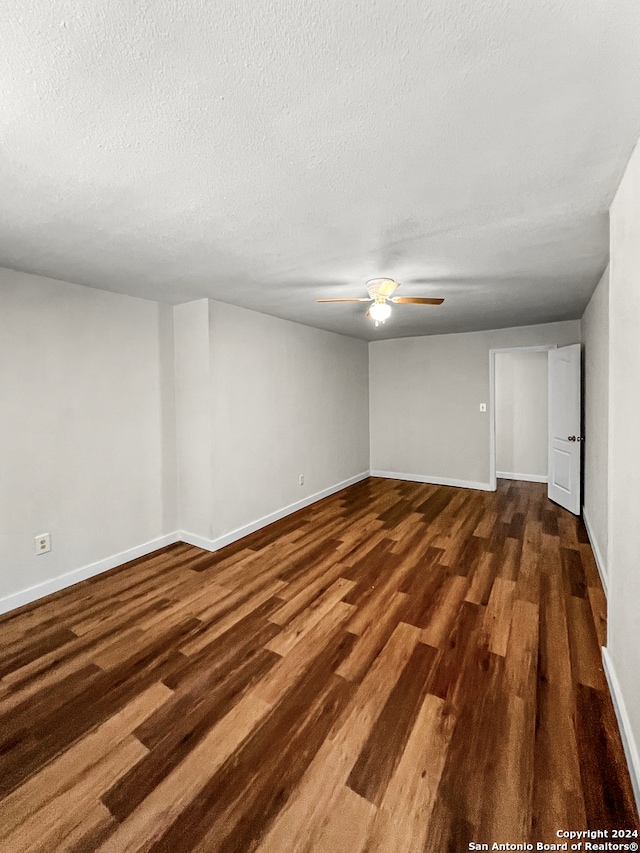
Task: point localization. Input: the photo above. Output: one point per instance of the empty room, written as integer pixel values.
(319, 406)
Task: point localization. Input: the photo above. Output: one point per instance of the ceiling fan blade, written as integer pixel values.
(347, 299)
(416, 300)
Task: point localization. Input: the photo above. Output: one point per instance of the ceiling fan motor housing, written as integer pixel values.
(381, 288)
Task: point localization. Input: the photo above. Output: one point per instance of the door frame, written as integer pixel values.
(493, 480)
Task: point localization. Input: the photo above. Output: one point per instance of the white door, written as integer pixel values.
(565, 441)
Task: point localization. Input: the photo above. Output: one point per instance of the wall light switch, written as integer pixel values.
(42, 543)
(483, 407)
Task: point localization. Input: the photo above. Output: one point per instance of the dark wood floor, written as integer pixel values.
(400, 667)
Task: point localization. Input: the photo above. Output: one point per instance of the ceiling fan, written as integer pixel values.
(380, 290)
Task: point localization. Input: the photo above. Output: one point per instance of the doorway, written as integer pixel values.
(564, 439)
(519, 414)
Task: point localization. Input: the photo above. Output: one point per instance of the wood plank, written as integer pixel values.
(373, 639)
(509, 814)
(403, 818)
(573, 572)
(522, 651)
(584, 646)
(292, 667)
(64, 813)
(302, 818)
(510, 558)
(409, 530)
(598, 604)
(164, 804)
(482, 580)
(435, 649)
(590, 567)
(477, 708)
(227, 612)
(384, 747)
(528, 578)
(497, 618)
(346, 828)
(606, 794)
(484, 527)
(426, 588)
(230, 815)
(558, 794)
(172, 732)
(452, 595)
(93, 696)
(296, 602)
(70, 767)
(298, 629)
(375, 597)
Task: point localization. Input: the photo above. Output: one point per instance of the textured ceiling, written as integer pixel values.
(266, 153)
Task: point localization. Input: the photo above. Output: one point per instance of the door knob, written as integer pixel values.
(571, 438)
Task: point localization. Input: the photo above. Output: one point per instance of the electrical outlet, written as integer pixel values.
(42, 542)
(301, 479)
(483, 407)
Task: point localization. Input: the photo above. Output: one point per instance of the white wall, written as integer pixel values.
(425, 395)
(85, 419)
(595, 338)
(124, 420)
(522, 409)
(169, 466)
(624, 449)
(193, 416)
(286, 400)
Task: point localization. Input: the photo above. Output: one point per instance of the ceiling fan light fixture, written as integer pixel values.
(380, 311)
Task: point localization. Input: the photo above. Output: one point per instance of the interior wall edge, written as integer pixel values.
(628, 740)
(528, 478)
(48, 587)
(33, 593)
(258, 524)
(597, 553)
(434, 481)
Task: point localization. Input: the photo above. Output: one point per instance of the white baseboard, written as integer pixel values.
(33, 593)
(246, 529)
(628, 739)
(26, 596)
(597, 553)
(528, 478)
(436, 481)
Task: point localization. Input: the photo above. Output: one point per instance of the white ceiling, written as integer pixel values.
(268, 152)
